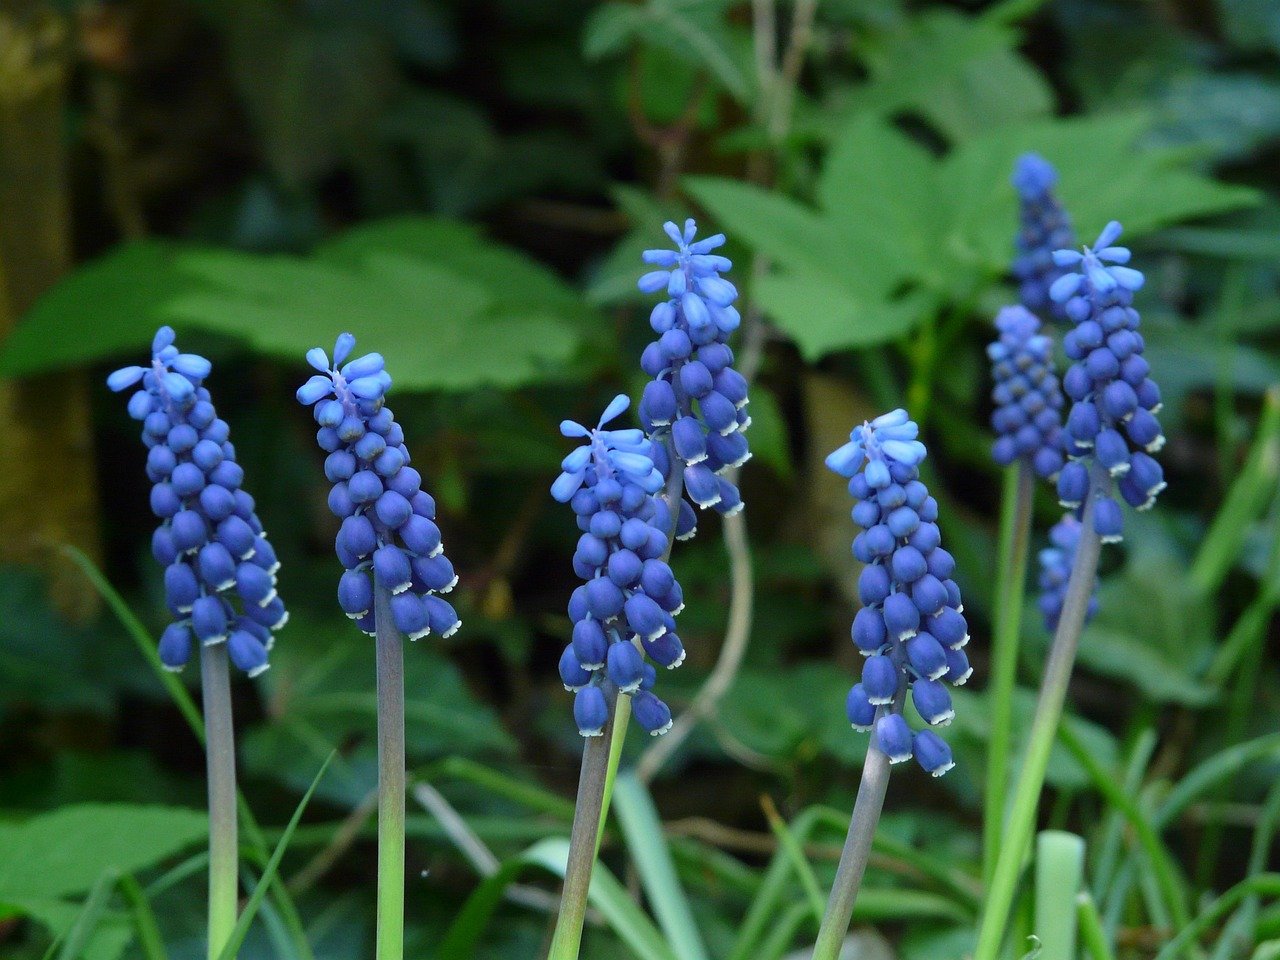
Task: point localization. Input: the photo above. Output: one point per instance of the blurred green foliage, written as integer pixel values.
(467, 187)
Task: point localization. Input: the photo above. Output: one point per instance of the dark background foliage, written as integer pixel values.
(467, 187)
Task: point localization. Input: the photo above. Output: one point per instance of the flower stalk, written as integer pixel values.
(867, 807)
(220, 763)
(389, 646)
(1016, 834)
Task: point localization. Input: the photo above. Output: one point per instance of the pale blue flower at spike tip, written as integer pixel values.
(1043, 228)
(1112, 426)
(630, 597)
(695, 405)
(220, 570)
(1055, 571)
(911, 626)
(388, 535)
(1028, 398)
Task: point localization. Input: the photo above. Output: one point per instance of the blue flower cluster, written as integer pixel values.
(1112, 422)
(210, 540)
(1027, 395)
(910, 627)
(1055, 571)
(691, 363)
(388, 535)
(1044, 228)
(630, 598)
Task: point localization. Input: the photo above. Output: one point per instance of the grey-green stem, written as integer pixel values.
(220, 762)
(857, 844)
(389, 645)
(587, 815)
(1053, 692)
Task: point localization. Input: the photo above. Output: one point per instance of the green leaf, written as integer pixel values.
(769, 441)
(606, 894)
(75, 845)
(106, 308)
(963, 74)
(427, 291)
(609, 28)
(642, 830)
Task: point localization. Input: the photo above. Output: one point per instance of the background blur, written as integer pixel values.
(467, 186)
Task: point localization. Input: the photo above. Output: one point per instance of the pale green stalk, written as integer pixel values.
(587, 820)
(1011, 576)
(1059, 868)
(1053, 692)
(220, 763)
(389, 645)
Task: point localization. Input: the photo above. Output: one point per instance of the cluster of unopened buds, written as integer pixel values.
(388, 538)
(694, 408)
(911, 628)
(219, 567)
(1112, 425)
(624, 613)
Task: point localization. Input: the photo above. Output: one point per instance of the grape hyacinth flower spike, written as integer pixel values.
(1109, 436)
(1111, 429)
(219, 574)
(395, 573)
(630, 596)
(910, 627)
(911, 630)
(1028, 398)
(1044, 228)
(694, 408)
(388, 537)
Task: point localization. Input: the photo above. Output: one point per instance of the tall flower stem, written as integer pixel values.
(583, 839)
(220, 760)
(1022, 813)
(853, 859)
(1011, 573)
(391, 779)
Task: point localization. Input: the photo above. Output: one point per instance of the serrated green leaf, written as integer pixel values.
(961, 73)
(64, 852)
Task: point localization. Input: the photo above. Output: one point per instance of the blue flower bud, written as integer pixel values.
(932, 702)
(880, 679)
(444, 618)
(860, 711)
(893, 737)
(932, 753)
(247, 652)
(869, 633)
(625, 666)
(175, 646)
(590, 711)
(651, 713)
(666, 650)
(572, 675)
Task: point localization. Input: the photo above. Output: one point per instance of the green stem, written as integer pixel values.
(1022, 813)
(220, 762)
(853, 859)
(1265, 884)
(1011, 573)
(583, 837)
(391, 779)
(621, 719)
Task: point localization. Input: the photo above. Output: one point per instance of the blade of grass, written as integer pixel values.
(1172, 887)
(1238, 932)
(95, 905)
(1212, 772)
(501, 784)
(642, 830)
(144, 919)
(606, 894)
(1112, 832)
(270, 871)
(1092, 936)
(791, 847)
(1266, 884)
(1253, 488)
